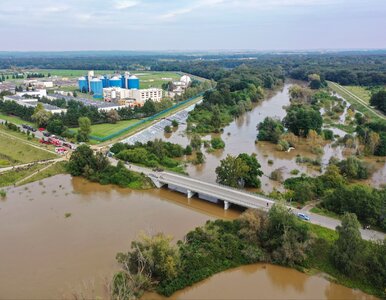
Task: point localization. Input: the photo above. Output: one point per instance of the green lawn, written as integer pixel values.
(15, 120)
(156, 79)
(360, 91)
(13, 176)
(55, 169)
(14, 152)
(102, 130)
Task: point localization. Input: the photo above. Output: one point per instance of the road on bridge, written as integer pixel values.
(239, 197)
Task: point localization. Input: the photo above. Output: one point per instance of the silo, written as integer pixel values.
(105, 81)
(115, 82)
(133, 82)
(96, 87)
(83, 85)
(123, 85)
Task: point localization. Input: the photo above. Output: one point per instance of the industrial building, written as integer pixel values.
(28, 102)
(95, 85)
(100, 105)
(139, 97)
(179, 87)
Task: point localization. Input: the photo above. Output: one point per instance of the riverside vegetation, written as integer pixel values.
(278, 237)
(97, 168)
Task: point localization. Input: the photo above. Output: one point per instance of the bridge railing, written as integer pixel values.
(225, 186)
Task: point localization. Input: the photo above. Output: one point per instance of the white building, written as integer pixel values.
(37, 93)
(115, 94)
(39, 84)
(33, 103)
(179, 87)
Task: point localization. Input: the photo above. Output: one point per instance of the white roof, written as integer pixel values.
(185, 79)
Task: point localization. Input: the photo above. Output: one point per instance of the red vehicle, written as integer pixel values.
(41, 129)
(55, 142)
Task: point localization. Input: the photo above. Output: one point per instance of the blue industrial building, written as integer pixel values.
(83, 84)
(115, 82)
(90, 83)
(96, 87)
(133, 82)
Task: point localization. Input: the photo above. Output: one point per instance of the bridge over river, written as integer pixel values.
(229, 196)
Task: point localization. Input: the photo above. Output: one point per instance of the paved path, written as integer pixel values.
(239, 197)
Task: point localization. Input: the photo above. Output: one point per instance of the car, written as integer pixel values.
(47, 134)
(303, 217)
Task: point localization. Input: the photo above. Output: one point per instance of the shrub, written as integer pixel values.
(217, 143)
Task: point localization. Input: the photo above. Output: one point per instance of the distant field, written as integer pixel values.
(15, 120)
(360, 91)
(102, 130)
(14, 152)
(155, 79)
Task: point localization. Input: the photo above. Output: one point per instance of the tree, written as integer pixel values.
(168, 129)
(200, 158)
(303, 192)
(154, 254)
(40, 115)
(195, 142)
(302, 118)
(232, 171)
(188, 150)
(354, 168)
(113, 116)
(174, 123)
(217, 143)
(314, 81)
(270, 130)
(81, 160)
(56, 126)
(378, 100)
(216, 118)
(84, 129)
(251, 177)
(348, 248)
(149, 108)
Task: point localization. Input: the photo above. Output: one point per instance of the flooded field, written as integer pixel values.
(240, 136)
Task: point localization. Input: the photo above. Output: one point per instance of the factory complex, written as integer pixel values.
(118, 88)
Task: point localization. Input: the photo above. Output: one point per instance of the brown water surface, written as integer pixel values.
(43, 254)
(262, 281)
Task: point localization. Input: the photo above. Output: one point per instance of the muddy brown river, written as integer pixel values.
(46, 255)
(61, 235)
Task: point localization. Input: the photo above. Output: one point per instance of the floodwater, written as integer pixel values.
(240, 135)
(48, 254)
(264, 281)
(43, 254)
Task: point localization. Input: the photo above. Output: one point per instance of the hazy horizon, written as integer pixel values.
(193, 26)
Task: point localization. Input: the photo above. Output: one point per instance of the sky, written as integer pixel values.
(62, 25)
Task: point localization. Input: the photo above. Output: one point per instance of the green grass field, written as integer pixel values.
(55, 169)
(360, 91)
(15, 120)
(14, 152)
(13, 176)
(155, 79)
(102, 130)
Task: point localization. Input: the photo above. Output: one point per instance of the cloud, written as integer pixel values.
(191, 8)
(124, 4)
